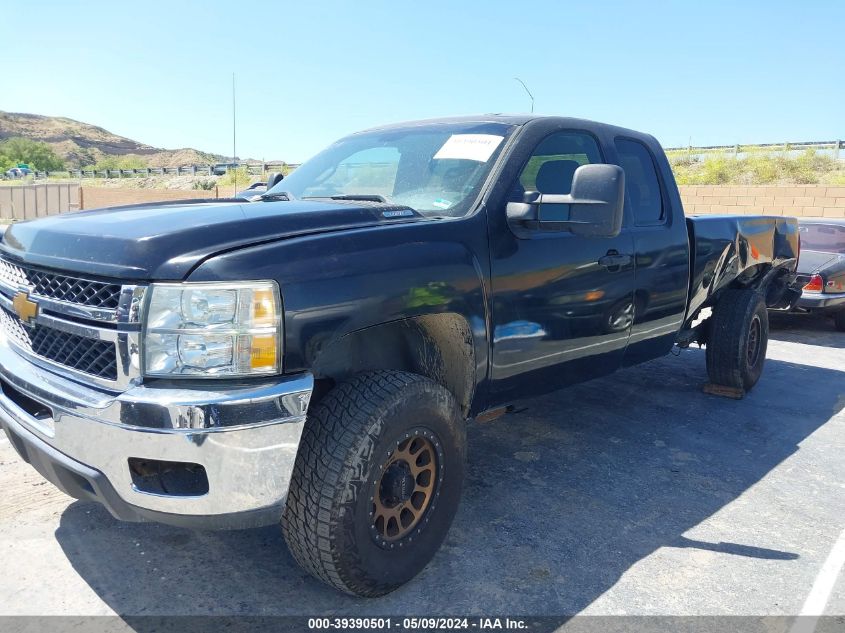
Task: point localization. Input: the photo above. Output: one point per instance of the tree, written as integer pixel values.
(6, 163)
(33, 153)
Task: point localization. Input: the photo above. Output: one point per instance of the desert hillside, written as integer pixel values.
(82, 144)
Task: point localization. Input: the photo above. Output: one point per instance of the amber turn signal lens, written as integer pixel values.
(815, 284)
(263, 308)
(262, 352)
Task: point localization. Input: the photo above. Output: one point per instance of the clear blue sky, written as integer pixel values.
(310, 72)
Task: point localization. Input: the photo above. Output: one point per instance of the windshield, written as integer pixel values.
(827, 238)
(435, 169)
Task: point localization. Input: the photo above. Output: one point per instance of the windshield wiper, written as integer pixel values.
(364, 197)
(276, 195)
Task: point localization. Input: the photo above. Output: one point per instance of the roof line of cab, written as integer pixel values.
(513, 119)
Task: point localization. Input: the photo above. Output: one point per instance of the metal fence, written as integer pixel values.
(27, 202)
(261, 169)
(826, 147)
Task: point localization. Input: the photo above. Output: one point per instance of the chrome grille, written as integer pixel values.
(12, 274)
(90, 356)
(85, 329)
(95, 294)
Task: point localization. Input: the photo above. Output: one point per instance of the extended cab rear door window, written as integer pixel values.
(642, 186)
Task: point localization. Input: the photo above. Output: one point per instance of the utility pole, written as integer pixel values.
(528, 91)
(234, 135)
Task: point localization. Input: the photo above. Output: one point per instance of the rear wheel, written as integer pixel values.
(738, 338)
(376, 482)
(839, 320)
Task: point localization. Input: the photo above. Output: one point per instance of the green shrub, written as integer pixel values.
(6, 163)
(129, 161)
(835, 179)
(755, 167)
(235, 177)
(37, 155)
(761, 169)
(811, 166)
(204, 185)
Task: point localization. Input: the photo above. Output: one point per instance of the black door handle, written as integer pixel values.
(614, 260)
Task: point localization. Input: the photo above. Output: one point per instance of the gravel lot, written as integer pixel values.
(633, 494)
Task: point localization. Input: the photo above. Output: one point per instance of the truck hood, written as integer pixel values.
(166, 241)
(810, 262)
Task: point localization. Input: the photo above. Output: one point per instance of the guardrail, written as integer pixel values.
(832, 146)
(184, 170)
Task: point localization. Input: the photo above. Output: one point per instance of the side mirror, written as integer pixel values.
(274, 179)
(592, 209)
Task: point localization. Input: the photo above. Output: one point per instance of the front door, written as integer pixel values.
(559, 316)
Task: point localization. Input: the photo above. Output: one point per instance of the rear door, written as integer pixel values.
(558, 315)
(661, 244)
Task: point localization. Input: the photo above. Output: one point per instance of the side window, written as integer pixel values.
(553, 163)
(642, 187)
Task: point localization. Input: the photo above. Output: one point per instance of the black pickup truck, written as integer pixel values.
(312, 356)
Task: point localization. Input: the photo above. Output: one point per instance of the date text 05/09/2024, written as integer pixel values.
(417, 623)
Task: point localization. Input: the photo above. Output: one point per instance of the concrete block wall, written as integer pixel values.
(792, 200)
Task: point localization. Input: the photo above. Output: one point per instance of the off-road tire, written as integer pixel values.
(839, 320)
(348, 437)
(739, 319)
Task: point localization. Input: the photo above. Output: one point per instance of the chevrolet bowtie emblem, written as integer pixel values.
(26, 308)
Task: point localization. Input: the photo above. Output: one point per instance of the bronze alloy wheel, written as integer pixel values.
(378, 481)
(407, 489)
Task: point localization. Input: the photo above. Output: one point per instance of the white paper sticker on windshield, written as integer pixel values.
(470, 147)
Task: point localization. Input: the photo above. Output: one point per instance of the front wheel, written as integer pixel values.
(376, 482)
(738, 338)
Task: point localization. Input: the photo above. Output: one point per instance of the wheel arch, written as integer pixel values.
(438, 346)
(771, 281)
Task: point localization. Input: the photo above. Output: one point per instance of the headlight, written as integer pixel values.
(211, 329)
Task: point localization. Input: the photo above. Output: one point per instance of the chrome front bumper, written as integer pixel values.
(81, 438)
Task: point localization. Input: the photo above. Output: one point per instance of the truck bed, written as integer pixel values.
(725, 248)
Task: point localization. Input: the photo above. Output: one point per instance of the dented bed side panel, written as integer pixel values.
(724, 249)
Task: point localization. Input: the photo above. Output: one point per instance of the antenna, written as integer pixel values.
(528, 91)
